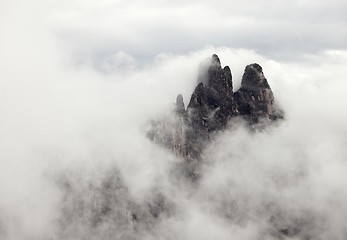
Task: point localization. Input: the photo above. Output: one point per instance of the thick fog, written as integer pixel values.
(75, 162)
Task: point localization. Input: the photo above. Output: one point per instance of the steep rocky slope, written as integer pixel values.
(213, 106)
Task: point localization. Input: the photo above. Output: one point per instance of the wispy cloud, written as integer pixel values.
(64, 123)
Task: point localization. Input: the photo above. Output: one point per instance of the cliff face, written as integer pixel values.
(213, 106)
(255, 98)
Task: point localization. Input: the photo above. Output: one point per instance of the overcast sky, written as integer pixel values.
(143, 29)
(97, 30)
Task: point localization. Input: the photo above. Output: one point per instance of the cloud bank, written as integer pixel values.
(73, 145)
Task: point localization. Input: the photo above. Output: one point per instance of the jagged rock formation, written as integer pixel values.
(212, 107)
(105, 208)
(212, 104)
(255, 98)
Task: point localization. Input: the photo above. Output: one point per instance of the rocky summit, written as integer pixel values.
(212, 108)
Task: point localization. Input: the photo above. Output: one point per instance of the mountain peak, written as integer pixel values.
(215, 60)
(213, 106)
(254, 76)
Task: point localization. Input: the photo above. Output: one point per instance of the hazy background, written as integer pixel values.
(80, 79)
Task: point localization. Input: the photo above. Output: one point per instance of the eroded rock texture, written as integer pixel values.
(255, 98)
(212, 107)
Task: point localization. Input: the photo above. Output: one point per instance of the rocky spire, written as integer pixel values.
(213, 105)
(180, 104)
(218, 78)
(255, 98)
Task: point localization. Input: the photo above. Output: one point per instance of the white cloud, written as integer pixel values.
(59, 118)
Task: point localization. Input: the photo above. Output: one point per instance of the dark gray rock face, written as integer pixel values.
(255, 98)
(212, 104)
(212, 107)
